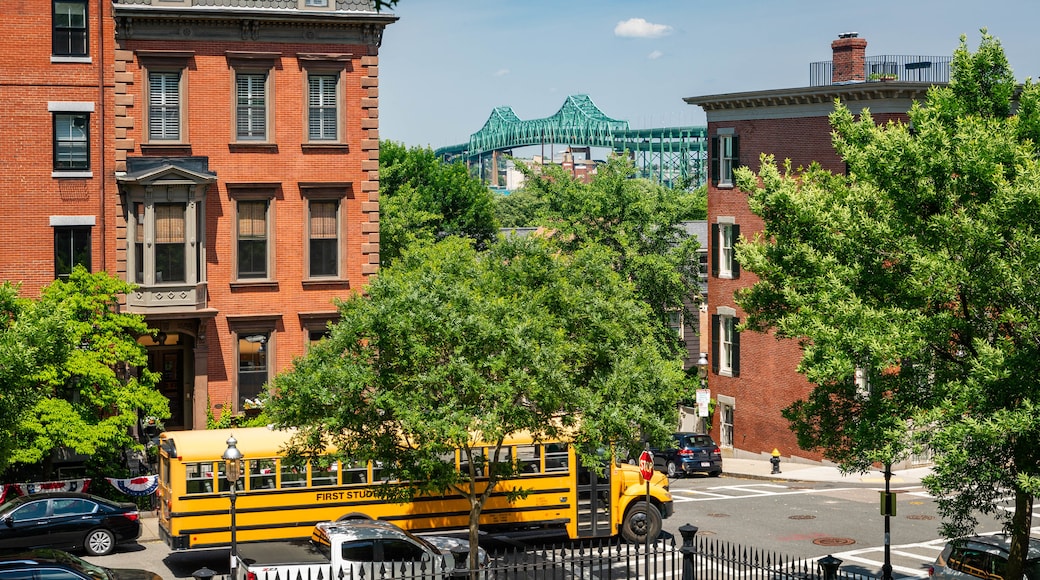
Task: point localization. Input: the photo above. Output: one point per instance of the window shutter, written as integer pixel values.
(736, 151)
(713, 154)
(322, 103)
(251, 122)
(164, 105)
(715, 330)
(713, 251)
(736, 347)
(735, 265)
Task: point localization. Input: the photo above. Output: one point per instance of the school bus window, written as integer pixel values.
(556, 457)
(261, 473)
(323, 471)
(294, 474)
(528, 460)
(222, 482)
(504, 466)
(355, 472)
(199, 477)
(478, 460)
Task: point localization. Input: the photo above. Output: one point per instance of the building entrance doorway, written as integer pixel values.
(169, 362)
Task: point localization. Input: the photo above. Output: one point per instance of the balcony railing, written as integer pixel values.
(923, 69)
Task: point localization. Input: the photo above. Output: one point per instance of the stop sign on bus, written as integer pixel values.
(646, 464)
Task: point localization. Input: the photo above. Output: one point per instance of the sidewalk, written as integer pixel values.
(149, 527)
(803, 471)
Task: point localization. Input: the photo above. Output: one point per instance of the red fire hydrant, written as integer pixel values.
(775, 460)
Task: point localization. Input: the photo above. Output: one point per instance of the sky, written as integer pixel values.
(446, 64)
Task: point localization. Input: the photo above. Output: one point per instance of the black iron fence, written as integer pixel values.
(891, 67)
(696, 558)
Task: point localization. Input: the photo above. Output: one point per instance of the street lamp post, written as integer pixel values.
(232, 471)
(702, 375)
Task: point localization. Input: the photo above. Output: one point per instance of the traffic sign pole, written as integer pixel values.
(646, 469)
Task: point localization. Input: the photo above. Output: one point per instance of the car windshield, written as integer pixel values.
(697, 441)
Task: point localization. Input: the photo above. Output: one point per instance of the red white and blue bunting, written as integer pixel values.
(142, 485)
(80, 485)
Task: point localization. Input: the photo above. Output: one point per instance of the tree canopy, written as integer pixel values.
(637, 220)
(452, 348)
(64, 375)
(423, 199)
(918, 269)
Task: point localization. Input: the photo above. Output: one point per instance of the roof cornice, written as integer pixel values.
(823, 95)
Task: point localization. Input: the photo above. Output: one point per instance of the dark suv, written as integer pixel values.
(690, 453)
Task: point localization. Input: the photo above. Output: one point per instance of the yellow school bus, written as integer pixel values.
(279, 499)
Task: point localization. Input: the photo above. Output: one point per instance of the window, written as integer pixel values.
(71, 141)
(69, 37)
(252, 238)
(251, 106)
(164, 106)
(724, 235)
(726, 407)
(323, 106)
(261, 473)
(71, 249)
(170, 243)
(252, 365)
(725, 158)
(675, 322)
(725, 343)
(324, 238)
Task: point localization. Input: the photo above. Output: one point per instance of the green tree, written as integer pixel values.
(918, 269)
(423, 199)
(73, 389)
(451, 347)
(638, 221)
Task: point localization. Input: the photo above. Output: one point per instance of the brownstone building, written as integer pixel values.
(220, 154)
(752, 375)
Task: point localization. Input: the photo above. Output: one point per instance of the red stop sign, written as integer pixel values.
(646, 464)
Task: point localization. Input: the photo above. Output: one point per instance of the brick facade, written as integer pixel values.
(789, 124)
(206, 172)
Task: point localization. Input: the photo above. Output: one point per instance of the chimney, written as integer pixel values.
(848, 62)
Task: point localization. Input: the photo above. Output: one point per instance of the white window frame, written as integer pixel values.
(725, 250)
(726, 160)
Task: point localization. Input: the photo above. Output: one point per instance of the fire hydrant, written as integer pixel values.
(775, 460)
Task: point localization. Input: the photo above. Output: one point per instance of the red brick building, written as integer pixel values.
(220, 154)
(752, 375)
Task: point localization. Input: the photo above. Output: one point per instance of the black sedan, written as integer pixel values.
(67, 521)
(58, 565)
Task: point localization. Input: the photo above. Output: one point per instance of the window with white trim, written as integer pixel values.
(725, 157)
(69, 34)
(251, 111)
(164, 106)
(725, 343)
(725, 235)
(253, 370)
(71, 141)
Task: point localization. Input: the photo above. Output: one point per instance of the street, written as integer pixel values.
(790, 518)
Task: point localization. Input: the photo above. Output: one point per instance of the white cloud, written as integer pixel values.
(501, 72)
(655, 55)
(640, 28)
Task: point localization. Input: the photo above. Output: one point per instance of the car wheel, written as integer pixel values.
(671, 470)
(639, 522)
(99, 542)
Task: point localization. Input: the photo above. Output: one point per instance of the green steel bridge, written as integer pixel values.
(668, 155)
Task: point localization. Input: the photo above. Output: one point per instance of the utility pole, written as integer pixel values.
(889, 504)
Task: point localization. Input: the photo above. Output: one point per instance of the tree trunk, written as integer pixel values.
(1020, 525)
(474, 539)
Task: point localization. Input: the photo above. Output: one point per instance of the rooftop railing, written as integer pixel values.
(924, 69)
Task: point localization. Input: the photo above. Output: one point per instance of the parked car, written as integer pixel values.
(58, 565)
(67, 521)
(689, 453)
(982, 557)
(357, 548)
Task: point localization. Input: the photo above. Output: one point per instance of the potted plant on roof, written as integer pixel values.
(883, 77)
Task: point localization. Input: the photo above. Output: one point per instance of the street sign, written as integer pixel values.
(646, 464)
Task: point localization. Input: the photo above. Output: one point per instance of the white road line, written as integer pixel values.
(910, 572)
(746, 491)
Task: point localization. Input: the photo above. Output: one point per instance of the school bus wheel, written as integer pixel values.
(639, 522)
